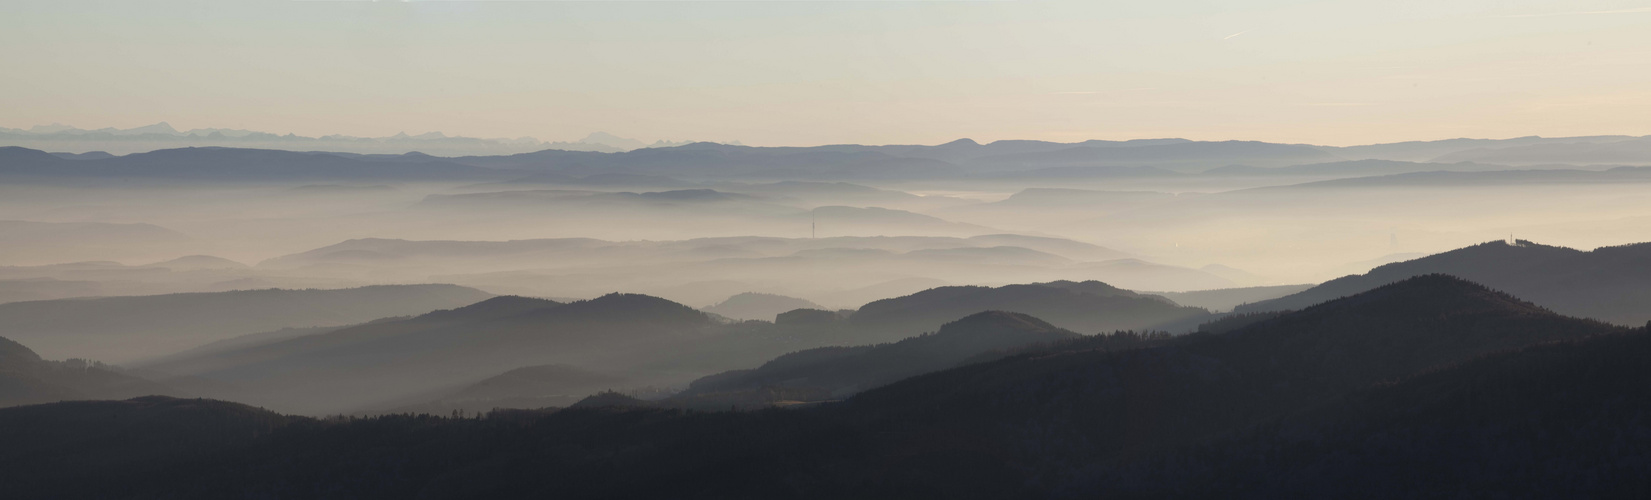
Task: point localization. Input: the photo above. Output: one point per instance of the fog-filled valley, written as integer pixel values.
(1062, 319)
(1173, 215)
(909, 250)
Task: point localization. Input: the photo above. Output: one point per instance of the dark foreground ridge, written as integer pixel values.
(1432, 385)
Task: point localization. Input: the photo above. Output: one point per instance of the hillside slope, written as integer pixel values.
(1069, 419)
(1609, 283)
(836, 372)
(369, 365)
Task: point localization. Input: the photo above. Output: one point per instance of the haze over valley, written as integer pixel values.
(259, 275)
(717, 250)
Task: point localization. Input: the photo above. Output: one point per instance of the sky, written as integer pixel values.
(825, 72)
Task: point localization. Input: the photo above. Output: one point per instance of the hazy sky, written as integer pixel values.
(803, 73)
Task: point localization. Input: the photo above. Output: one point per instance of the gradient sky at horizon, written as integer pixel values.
(821, 72)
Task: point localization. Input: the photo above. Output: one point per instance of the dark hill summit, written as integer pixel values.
(13, 354)
(1610, 283)
(622, 307)
(1093, 288)
(496, 307)
(25, 162)
(19, 377)
(1083, 307)
(388, 362)
(25, 378)
(808, 317)
(994, 323)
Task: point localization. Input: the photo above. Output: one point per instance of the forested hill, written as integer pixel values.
(1077, 418)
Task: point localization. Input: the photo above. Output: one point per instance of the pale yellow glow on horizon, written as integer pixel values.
(806, 73)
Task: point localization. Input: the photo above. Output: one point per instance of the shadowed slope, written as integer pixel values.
(379, 363)
(834, 372)
(1609, 283)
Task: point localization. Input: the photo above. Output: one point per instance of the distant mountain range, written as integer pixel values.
(226, 160)
(163, 136)
(1422, 151)
(1624, 151)
(844, 271)
(1444, 179)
